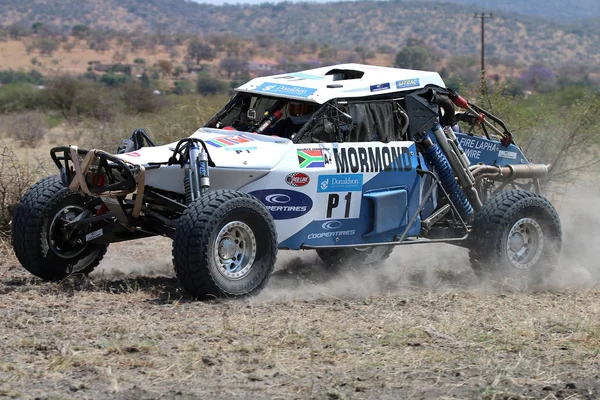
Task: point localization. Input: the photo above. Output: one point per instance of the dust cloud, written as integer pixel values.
(302, 275)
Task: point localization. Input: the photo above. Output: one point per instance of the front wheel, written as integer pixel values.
(225, 245)
(44, 239)
(517, 234)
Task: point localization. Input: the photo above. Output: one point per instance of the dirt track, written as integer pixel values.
(418, 327)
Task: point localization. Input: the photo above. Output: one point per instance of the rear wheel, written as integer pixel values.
(45, 242)
(517, 235)
(354, 257)
(225, 245)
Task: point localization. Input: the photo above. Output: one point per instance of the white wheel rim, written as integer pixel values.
(525, 243)
(234, 250)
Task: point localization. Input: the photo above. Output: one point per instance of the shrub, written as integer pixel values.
(206, 85)
(15, 178)
(139, 98)
(76, 99)
(16, 97)
(183, 87)
(27, 128)
(111, 79)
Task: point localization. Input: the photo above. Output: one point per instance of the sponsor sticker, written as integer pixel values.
(297, 179)
(287, 90)
(331, 225)
(333, 229)
(284, 203)
(132, 154)
(93, 235)
(380, 86)
(406, 83)
(372, 159)
(225, 141)
(340, 183)
(507, 154)
(311, 159)
(238, 150)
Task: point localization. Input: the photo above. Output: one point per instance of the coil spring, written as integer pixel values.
(441, 165)
(187, 185)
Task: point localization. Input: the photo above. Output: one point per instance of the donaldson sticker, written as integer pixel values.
(282, 89)
(284, 203)
(297, 179)
(340, 183)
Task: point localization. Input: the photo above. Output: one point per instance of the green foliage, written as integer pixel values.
(140, 99)
(121, 68)
(183, 87)
(9, 76)
(80, 31)
(16, 97)
(113, 80)
(416, 55)
(206, 85)
(198, 50)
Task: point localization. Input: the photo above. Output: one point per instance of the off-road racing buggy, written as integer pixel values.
(379, 163)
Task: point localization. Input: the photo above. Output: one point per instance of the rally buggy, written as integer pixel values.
(380, 162)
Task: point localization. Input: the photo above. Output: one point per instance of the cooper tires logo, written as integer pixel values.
(297, 179)
(277, 198)
(331, 225)
(283, 203)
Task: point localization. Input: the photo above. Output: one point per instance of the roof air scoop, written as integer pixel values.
(345, 74)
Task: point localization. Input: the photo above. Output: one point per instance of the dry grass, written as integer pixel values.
(141, 338)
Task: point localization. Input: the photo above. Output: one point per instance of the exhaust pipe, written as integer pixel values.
(511, 172)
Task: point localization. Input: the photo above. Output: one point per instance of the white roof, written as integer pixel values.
(318, 86)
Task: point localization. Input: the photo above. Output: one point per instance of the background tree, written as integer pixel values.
(233, 66)
(206, 85)
(416, 55)
(165, 67)
(47, 46)
(198, 50)
(80, 31)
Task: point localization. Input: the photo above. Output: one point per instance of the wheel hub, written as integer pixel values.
(525, 243)
(235, 250)
(227, 249)
(65, 241)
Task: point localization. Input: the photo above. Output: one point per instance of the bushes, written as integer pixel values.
(27, 128)
(206, 85)
(138, 98)
(15, 178)
(9, 76)
(18, 97)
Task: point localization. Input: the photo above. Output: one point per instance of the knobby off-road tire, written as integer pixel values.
(517, 234)
(354, 258)
(42, 243)
(225, 245)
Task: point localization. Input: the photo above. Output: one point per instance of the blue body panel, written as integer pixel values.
(389, 199)
(490, 152)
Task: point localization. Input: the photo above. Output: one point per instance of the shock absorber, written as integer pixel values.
(434, 155)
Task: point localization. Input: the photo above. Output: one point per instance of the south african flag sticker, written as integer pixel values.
(311, 159)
